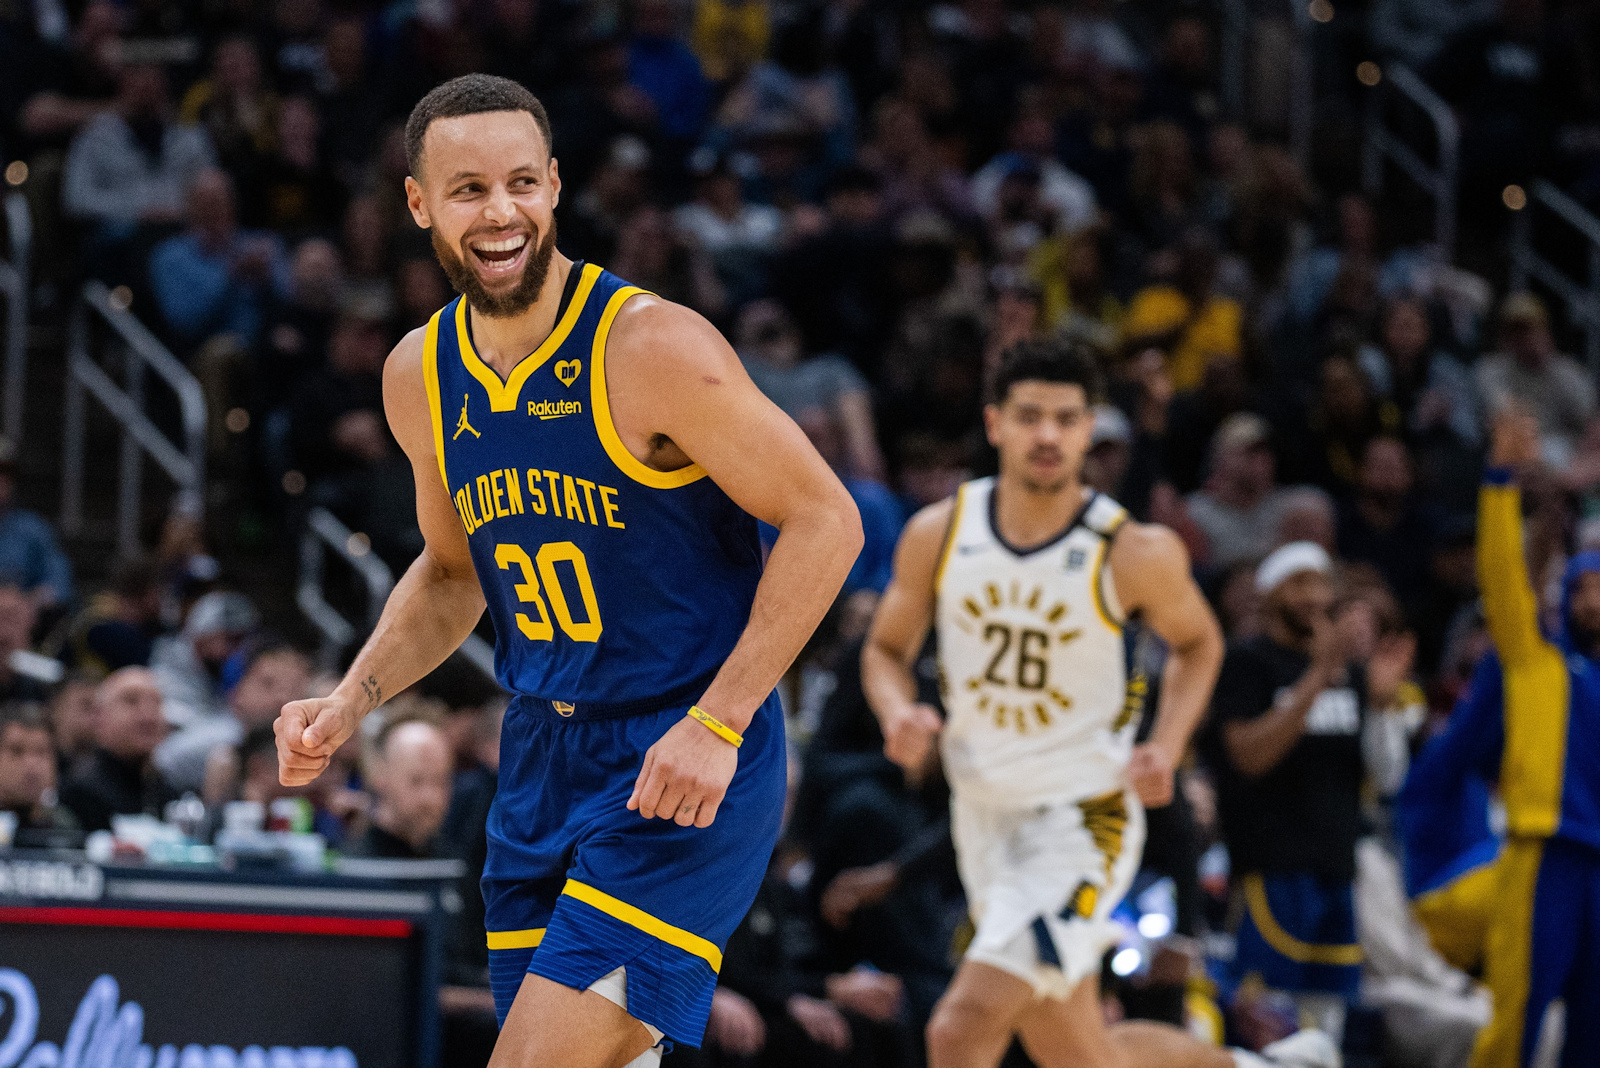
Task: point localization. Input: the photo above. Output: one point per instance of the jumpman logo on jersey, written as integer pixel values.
(462, 424)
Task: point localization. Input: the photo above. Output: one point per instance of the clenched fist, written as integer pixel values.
(308, 732)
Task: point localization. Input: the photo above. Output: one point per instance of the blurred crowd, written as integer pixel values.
(871, 200)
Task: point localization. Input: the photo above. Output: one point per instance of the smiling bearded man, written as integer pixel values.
(603, 507)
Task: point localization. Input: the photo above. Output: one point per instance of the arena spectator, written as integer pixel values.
(1241, 506)
(237, 109)
(72, 81)
(295, 334)
(214, 278)
(273, 674)
(772, 351)
(664, 69)
(1381, 525)
(28, 780)
(1433, 392)
(30, 552)
(18, 616)
(296, 193)
(191, 666)
(121, 777)
(1528, 370)
(73, 713)
(832, 276)
(353, 99)
(1186, 316)
(132, 165)
(336, 416)
(1289, 709)
(408, 770)
(118, 627)
(775, 1002)
(741, 238)
(668, 263)
(620, 187)
(1069, 199)
(796, 84)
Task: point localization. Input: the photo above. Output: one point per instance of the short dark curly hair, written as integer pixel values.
(1068, 363)
(470, 94)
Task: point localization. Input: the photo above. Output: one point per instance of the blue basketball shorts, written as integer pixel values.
(1299, 934)
(576, 886)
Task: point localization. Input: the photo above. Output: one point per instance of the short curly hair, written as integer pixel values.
(1068, 363)
(470, 94)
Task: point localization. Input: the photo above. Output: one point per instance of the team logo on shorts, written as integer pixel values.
(568, 371)
(563, 708)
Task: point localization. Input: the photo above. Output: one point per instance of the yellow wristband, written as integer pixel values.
(716, 726)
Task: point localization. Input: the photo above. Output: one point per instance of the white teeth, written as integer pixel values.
(509, 245)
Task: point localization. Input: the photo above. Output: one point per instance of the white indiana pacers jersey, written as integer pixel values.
(1038, 706)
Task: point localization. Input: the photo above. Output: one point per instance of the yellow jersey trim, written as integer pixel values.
(1101, 556)
(430, 383)
(516, 939)
(503, 395)
(626, 462)
(1255, 899)
(621, 910)
(949, 545)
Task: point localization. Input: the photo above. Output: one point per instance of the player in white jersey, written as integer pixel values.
(1028, 578)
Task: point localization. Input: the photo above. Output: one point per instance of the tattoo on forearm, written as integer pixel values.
(374, 692)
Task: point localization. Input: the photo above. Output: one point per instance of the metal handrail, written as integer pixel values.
(1439, 180)
(1582, 301)
(141, 353)
(14, 287)
(324, 531)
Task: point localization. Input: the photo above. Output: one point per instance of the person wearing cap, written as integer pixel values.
(1110, 450)
(30, 553)
(1528, 371)
(1288, 713)
(190, 666)
(1241, 506)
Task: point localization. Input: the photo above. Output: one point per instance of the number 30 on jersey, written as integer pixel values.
(540, 571)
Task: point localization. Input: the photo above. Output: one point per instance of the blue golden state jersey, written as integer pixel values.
(612, 586)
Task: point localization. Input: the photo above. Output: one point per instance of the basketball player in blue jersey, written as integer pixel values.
(590, 462)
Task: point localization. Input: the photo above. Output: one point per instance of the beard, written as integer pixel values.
(515, 301)
(1296, 622)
